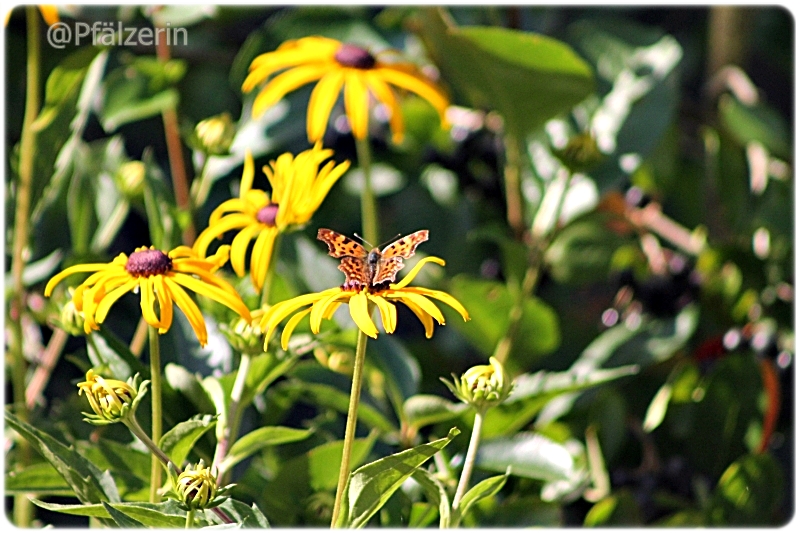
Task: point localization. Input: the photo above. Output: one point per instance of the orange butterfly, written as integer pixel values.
(369, 269)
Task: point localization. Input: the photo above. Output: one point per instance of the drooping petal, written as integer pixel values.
(422, 302)
(356, 103)
(443, 297)
(414, 271)
(218, 228)
(164, 303)
(147, 300)
(388, 312)
(275, 314)
(229, 299)
(239, 247)
(289, 328)
(321, 102)
(108, 300)
(409, 79)
(359, 311)
(189, 308)
(89, 267)
(239, 206)
(320, 308)
(287, 82)
(385, 95)
(290, 53)
(425, 318)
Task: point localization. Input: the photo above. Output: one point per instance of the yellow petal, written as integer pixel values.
(164, 303)
(285, 83)
(147, 300)
(239, 247)
(289, 328)
(410, 80)
(261, 256)
(414, 271)
(289, 54)
(424, 317)
(217, 229)
(49, 13)
(234, 205)
(443, 297)
(89, 267)
(359, 311)
(275, 314)
(388, 313)
(321, 102)
(248, 173)
(356, 103)
(320, 308)
(227, 298)
(385, 95)
(189, 308)
(105, 304)
(419, 300)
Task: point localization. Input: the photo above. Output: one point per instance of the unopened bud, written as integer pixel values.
(245, 337)
(70, 319)
(130, 178)
(482, 386)
(215, 134)
(580, 154)
(111, 400)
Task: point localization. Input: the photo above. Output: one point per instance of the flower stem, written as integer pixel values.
(155, 400)
(512, 179)
(190, 519)
(23, 509)
(369, 210)
(469, 460)
(350, 428)
(233, 418)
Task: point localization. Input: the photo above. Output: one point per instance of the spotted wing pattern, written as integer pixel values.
(392, 256)
(340, 245)
(356, 273)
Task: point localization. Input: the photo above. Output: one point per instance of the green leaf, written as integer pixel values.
(532, 392)
(40, 478)
(425, 409)
(179, 441)
(484, 489)
(166, 514)
(245, 516)
(437, 495)
(89, 483)
(129, 466)
(38, 270)
(529, 455)
(749, 492)
(582, 251)
(489, 304)
(121, 518)
(189, 385)
(370, 486)
(618, 509)
(502, 69)
(260, 438)
(755, 123)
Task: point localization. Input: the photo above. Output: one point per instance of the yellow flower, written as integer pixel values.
(157, 276)
(49, 14)
(323, 304)
(298, 188)
(337, 65)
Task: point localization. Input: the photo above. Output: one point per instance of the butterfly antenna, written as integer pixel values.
(390, 240)
(362, 239)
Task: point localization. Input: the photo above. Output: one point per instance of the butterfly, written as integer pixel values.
(369, 269)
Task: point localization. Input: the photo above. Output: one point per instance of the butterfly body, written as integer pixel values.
(373, 269)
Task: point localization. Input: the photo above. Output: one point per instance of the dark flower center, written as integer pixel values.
(267, 214)
(350, 55)
(148, 263)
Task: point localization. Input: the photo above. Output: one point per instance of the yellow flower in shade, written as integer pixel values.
(158, 277)
(323, 304)
(299, 186)
(339, 65)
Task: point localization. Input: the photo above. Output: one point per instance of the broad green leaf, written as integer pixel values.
(370, 486)
(484, 489)
(157, 515)
(528, 78)
(748, 492)
(179, 441)
(425, 409)
(582, 251)
(529, 455)
(245, 516)
(489, 304)
(532, 392)
(129, 466)
(249, 444)
(399, 367)
(437, 495)
(89, 483)
(121, 519)
(122, 356)
(189, 385)
(41, 479)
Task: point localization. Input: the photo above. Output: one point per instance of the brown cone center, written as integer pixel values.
(148, 263)
(350, 55)
(268, 214)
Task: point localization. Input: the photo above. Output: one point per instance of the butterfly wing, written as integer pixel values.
(340, 245)
(392, 256)
(355, 272)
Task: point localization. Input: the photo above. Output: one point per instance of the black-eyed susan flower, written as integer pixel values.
(158, 277)
(299, 186)
(323, 304)
(339, 65)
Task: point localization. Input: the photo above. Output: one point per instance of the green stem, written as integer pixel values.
(469, 460)
(233, 419)
(350, 428)
(23, 509)
(369, 210)
(190, 519)
(512, 179)
(155, 400)
(201, 186)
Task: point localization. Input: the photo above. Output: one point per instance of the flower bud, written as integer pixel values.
(482, 386)
(215, 134)
(70, 319)
(112, 400)
(580, 154)
(245, 337)
(130, 178)
(196, 487)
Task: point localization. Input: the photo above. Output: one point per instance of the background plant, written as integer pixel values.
(614, 203)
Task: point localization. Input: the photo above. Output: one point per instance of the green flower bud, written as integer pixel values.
(482, 386)
(130, 178)
(196, 487)
(111, 400)
(70, 319)
(214, 135)
(245, 337)
(580, 154)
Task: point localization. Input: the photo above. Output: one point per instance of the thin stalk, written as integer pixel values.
(139, 337)
(201, 186)
(513, 180)
(233, 418)
(112, 226)
(190, 519)
(23, 509)
(177, 166)
(469, 460)
(41, 376)
(155, 400)
(369, 210)
(350, 428)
